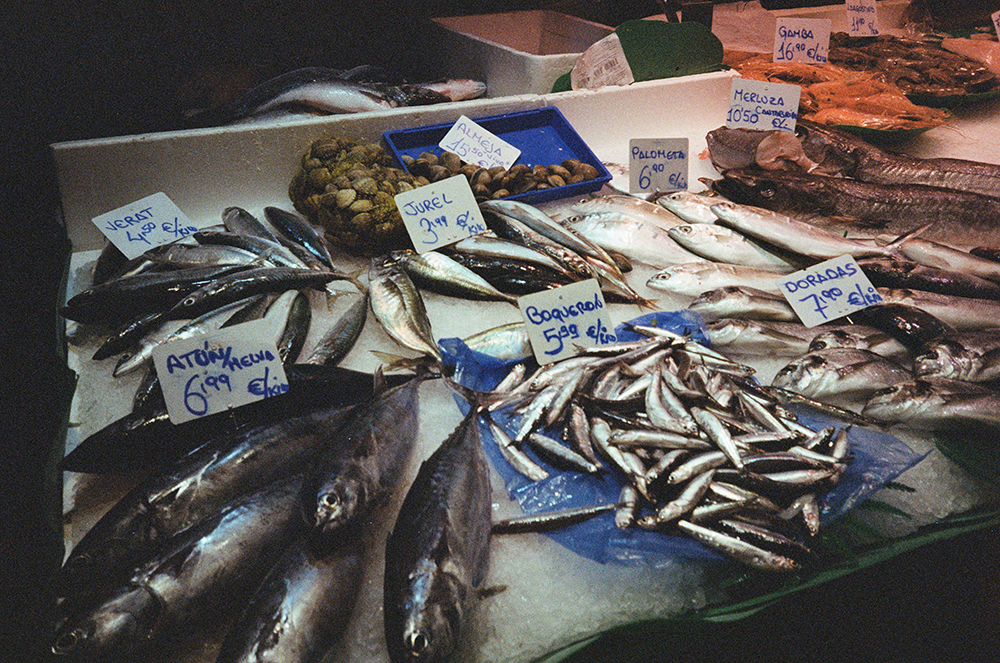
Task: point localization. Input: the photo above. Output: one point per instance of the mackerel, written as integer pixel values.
(398, 307)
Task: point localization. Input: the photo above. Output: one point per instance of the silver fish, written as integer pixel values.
(721, 244)
(505, 342)
(398, 307)
(635, 239)
(962, 313)
(436, 271)
(740, 301)
(935, 404)
(637, 208)
(692, 279)
(691, 207)
(755, 337)
(942, 256)
(841, 372)
(971, 355)
(740, 550)
(338, 340)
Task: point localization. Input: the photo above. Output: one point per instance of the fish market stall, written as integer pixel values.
(528, 611)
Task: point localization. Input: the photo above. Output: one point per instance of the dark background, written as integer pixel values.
(95, 69)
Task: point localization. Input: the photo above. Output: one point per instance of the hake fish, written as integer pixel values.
(438, 551)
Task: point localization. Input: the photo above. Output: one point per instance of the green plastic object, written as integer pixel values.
(657, 49)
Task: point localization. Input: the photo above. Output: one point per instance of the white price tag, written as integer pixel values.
(862, 18)
(440, 213)
(215, 372)
(996, 22)
(477, 145)
(562, 320)
(603, 63)
(762, 105)
(802, 40)
(139, 226)
(829, 290)
(658, 165)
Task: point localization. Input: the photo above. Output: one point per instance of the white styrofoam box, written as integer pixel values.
(521, 52)
(204, 171)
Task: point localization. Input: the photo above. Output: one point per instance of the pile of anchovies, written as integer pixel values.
(703, 451)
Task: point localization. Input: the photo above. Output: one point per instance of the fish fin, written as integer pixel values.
(894, 244)
(397, 362)
(487, 592)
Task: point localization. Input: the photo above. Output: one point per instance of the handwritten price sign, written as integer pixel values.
(562, 320)
(828, 290)
(762, 105)
(477, 145)
(802, 40)
(658, 164)
(213, 373)
(862, 18)
(139, 226)
(441, 213)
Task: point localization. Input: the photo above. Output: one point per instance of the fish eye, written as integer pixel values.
(67, 642)
(419, 643)
(330, 499)
(767, 192)
(189, 301)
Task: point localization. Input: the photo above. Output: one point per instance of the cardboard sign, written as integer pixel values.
(215, 372)
(563, 320)
(440, 213)
(828, 290)
(658, 165)
(477, 145)
(139, 226)
(762, 105)
(802, 40)
(862, 18)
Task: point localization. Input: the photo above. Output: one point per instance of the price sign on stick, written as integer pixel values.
(828, 290)
(440, 213)
(658, 165)
(139, 226)
(562, 320)
(215, 372)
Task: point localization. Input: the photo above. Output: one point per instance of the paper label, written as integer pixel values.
(477, 145)
(215, 372)
(658, 165)
(996, 22)
(762, 105)
(802, 40)
(603, 63)
(440, 213)
(828, 290)
(563, 320)
(139, 226)
(862, 18)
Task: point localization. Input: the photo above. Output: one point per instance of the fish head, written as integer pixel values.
(944, 359)
(431, 627)
(110, 632)
(810, 375)
(340, 503)
(902, 403)
(836, 338)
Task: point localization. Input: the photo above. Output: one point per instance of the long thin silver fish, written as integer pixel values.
(692, 279)
(634, 238)
(339, 339)
(721, 244)
(436, 271)
(962, 313)
(398, 307)
(740, 301)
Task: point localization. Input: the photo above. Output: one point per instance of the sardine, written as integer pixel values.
(742, 551)
(935, 404)
(438, 551)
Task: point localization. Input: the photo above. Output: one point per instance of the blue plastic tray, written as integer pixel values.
(543, 135)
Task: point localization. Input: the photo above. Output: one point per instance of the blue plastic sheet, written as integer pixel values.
(876, 459)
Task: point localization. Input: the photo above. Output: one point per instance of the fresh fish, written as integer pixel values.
(957, 216)
(637, 208)
(757, 337)
(971, 355)
(693, 279)
(293, 334)
(193, 488)
(437, 272)
(146, 439)
(489, 245)
(300, 610)
(505, 342)
(199, 573)
(691, 207)
(338, 340)
(185, 256)
(248, 283)
(860, 337)
(300, 231)
(910, 325)
(398, 307)
(129, 335)
(241, 222)
(790, 234)
(438, 551)
(959, 312)
(942, 256)
(549, 520)
(255, 309)
(635, 239)
(748, 148)
(514, 230)
(343, 487)
(513, 277)
(123, 299)
(741, 301)
(722, 244)
(896, 273)
(935, 404)
(109, 263)
(268, 251)
(742, 551)
(840, 372)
